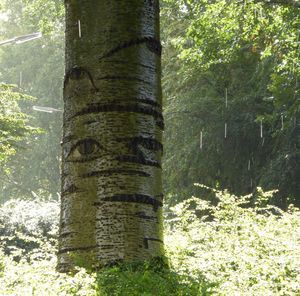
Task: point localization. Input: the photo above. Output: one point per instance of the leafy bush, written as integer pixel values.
(40, 278)
(224, 249)
(28, 235)
(240, 250)
(28, 227)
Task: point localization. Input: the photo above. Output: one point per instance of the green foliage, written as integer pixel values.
(28, 229)
(249, 52)
(40, 63)
(13, 122)
(143, 279)
(243, 250)
(40, 278)
(223, 249)
(28, 236)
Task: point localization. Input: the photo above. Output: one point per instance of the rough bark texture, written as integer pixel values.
(111, 172)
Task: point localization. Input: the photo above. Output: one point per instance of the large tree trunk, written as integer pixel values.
(111, 171)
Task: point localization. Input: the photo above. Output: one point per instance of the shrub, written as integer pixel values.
(28, 227)
(240, 250)
(40, 278)
(224, 249)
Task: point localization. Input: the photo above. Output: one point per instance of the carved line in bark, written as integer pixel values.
(152, 44)
(147, 239)
(149, 102)
(144, 100)
(136, 108)
(71, 189)
(138, 159)
(150, 144)
(66, 250)
(65, 234)
(106, 247)
(130, 63)
(83, 159)
(115, 77)
(141, 215)
(78, 73)
(115, 171)
(90, 122)
(137, 198)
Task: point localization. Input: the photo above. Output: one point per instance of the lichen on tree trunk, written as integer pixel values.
(111, 199)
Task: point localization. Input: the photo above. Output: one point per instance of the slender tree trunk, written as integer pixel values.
(111, 171)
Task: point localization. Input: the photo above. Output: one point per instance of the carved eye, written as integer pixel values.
(85, 147)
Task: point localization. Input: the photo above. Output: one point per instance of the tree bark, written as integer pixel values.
(111, 199)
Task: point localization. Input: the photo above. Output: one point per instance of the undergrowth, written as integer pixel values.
(227, 249)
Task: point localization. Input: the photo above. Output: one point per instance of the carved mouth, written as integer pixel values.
(115, 171)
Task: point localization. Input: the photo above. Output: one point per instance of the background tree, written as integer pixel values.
(37, 68)
(236, 67)
(111, 172)
(14, 127)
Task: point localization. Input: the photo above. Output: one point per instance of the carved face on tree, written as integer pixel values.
(111, 174)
